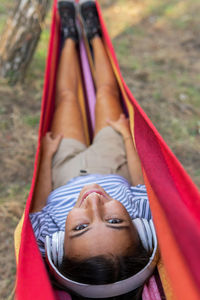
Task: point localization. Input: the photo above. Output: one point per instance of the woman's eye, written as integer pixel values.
(80, 227)
(114, 221)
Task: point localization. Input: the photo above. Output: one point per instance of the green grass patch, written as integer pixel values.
(178, 131)
(182, 79)
(125, 54)
(156, 70)
(14, 191)
(6, 9)
(134, 31)
(27, 187)
(157, 95)
(4, 6)
(192, 92)
(38, 63)
(4, 124)
(2, 110)
(2, 23)
(173, 12)
(122, 47)
(162, 8)
(31, 120)
(180, 23)
(197, 173)
(39, 59)
(135, 64)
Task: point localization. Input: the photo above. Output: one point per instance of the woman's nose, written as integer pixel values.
(94, 203)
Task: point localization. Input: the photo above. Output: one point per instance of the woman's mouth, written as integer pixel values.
(86, 194)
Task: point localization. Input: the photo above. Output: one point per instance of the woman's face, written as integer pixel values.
(98, 225)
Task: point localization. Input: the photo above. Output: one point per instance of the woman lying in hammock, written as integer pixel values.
(86, 198)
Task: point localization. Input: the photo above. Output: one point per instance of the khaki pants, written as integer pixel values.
(106, 155)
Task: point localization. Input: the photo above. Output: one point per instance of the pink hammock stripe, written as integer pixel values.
(90, 90)
(151, 291)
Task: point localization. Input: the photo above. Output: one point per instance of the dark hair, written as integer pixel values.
(106, 269)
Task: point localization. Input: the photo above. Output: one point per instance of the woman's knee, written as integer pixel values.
(65, 96)
(106, 91)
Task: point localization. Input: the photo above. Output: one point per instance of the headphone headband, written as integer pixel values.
(148, 238)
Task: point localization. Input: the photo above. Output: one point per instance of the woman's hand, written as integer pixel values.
(121, 125)
(50, 144)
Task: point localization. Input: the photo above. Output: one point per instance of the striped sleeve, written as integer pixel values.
(140, 202)
(43, 223)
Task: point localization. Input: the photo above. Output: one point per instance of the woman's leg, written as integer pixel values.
(108, 104)
(67, 118)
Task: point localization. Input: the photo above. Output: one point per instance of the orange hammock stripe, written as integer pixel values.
(178, 276)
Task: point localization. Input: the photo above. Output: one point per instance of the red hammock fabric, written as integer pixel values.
(174, 199)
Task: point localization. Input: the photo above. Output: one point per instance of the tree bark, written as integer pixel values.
(20, 38)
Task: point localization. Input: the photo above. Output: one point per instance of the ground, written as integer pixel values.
(157, 44)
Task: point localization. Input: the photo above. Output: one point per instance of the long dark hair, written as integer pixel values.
(106, 269)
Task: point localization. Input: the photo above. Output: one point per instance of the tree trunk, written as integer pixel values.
(20, 38)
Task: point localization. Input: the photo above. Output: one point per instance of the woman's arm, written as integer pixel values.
(43, 185)
(134, 164)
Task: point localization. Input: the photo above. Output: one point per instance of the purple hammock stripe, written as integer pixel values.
(145, 293)
(89, 86)
(151, 291)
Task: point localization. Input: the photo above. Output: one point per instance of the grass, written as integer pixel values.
(134, 31)
(161, 8)
(31, 120)
(5, 9)
(178, 14)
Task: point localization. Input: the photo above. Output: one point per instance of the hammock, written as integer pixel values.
(174, 199)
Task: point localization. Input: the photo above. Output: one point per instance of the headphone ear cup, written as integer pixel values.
(145, 233)
(57, 247)
(54, 248)
(149, 233)
(60, 247)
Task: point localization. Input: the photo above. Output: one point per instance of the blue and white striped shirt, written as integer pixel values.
(59, 203)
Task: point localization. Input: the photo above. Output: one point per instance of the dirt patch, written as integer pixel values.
(10, 213)
(18, 136)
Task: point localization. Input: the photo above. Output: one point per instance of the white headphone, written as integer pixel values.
(55, 252)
